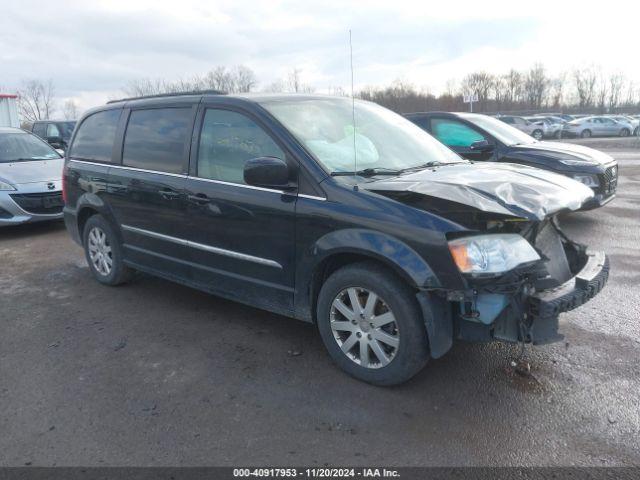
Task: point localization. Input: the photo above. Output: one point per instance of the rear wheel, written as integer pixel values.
(104, 252)
(371, 324)
(586, 134)
(558, 134)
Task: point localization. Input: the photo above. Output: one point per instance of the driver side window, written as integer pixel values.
(454, 133)
(227, 140)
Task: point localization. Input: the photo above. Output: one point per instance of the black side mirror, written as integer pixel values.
(55, 142)
(268, 172)
(481, 146)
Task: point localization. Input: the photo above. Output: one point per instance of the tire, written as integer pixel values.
(624, 132)
(403, 349)
(103, 251)
(585, 134)
(558, 135)
(538, 134)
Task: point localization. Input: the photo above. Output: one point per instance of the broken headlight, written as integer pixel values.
(495, 253)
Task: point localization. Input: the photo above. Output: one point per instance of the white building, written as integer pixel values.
(8, 110)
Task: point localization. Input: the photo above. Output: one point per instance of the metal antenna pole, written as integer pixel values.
(353, 116)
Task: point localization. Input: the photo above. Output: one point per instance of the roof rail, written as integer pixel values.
(174, 94)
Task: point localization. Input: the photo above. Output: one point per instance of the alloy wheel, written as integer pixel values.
(364, 327)
(100, 251)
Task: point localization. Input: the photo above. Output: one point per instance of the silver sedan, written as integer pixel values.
(30, 178)
(596, 127)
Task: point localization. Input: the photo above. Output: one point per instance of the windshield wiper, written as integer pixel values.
(369, 172)
(432, 163)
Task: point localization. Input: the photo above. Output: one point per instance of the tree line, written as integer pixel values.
(581, 90)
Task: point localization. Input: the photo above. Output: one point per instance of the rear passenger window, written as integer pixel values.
(94, 140)
(227, 140)
(156, 139)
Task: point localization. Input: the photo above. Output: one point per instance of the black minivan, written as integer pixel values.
(345, 215)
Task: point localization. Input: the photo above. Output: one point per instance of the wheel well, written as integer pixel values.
(337, 261)
(83, 216)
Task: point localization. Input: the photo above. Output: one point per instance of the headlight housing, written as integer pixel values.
(4, 185)
(492, 253)
(588, 180)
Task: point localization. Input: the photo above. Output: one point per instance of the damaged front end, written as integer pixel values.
(523, 304)
(519, 270)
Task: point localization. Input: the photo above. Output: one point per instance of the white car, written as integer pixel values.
(30, 178)
(537, 130)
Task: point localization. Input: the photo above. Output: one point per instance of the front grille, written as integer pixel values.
(40, 203)
(609, 180)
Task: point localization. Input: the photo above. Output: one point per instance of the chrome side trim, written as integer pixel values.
(134, 169)
(241, 185)
(180, 175)
(312, 197)
(201, 246)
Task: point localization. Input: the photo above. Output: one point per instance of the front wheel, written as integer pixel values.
(371, 324)
(624, 132)
(104, 252)
(586, 134)
(537, 134)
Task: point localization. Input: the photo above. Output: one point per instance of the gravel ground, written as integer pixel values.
(153, 373)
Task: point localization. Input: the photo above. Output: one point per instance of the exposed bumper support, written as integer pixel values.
(574, 292)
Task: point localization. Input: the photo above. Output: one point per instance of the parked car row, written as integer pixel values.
(330, 211)
(543, 126)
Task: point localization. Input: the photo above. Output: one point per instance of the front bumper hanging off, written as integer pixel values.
(575, 292)
(529, 315)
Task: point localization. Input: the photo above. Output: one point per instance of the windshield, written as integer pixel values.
(66, 129)
(381, 140)
(21, 146)
(505, 133)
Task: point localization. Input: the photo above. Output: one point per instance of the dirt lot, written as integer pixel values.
(157, 374)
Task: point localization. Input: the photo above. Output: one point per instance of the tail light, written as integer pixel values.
(65, 172)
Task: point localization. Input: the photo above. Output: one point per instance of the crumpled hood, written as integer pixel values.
(503, 188)
(32, 171)
(569, 151)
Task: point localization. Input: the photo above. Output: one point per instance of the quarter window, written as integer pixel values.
(227, 140)
(156, 139)
(52, 130)
(94, 140)
(453, 133)
(39, 129)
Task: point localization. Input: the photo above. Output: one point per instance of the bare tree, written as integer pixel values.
(602, 92)
(294, 83)
(585, 83)
(70, 110)
(536, 84)
(513, 84)
(36, 100)
(478, 83)
(616, 83)
(244, 79)
(556, 90)
(234, 80)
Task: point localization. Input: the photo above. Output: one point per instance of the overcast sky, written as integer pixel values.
(92, 49)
